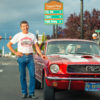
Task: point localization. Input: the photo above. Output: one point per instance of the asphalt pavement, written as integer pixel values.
(10, 85)
(9, 80)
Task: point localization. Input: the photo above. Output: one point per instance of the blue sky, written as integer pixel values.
(14, 11)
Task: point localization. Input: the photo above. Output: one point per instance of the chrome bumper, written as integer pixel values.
(73, 79)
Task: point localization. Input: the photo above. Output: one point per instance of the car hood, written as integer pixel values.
(73, 59)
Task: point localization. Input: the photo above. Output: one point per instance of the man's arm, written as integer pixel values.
(39, 52)
(38, 49)
(9, 45)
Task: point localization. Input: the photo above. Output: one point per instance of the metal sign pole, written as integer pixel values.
(81, 20)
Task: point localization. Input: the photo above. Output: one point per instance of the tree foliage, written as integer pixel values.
(44, 38)
(91, 22)
(0, 51)
(13, 53)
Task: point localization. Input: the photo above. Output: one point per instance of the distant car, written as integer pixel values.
(72, 64)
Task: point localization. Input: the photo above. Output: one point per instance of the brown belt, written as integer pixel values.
(27, 54)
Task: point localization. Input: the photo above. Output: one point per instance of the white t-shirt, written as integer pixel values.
(25, 42)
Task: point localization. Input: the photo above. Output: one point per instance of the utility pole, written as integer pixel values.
(56, 35)
(81, 21)
(53, 30)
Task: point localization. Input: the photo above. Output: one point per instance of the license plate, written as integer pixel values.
(92, 86)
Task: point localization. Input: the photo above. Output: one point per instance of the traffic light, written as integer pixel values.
(0, 37)
(10, 37)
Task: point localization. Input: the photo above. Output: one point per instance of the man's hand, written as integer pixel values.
(44, 57)
(19, 54)
(9, 45)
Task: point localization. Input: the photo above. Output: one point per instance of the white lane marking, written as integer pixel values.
(1, 70)
(5, 63)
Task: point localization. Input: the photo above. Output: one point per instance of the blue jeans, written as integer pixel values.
(29, 62)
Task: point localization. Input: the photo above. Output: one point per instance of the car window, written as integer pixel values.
(72, 47)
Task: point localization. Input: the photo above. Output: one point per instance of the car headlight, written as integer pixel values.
(54, 68)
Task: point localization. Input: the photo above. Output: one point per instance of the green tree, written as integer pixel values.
(0, 51)
(91, 23)
(44, 38)
(15, 50)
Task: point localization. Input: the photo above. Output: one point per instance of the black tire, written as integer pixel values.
(42, 83)
(37, 84)
(49, 93)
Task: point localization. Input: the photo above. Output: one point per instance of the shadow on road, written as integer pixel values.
(77, 95)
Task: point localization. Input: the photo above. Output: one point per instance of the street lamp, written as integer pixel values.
(4, 38)
(81, 21)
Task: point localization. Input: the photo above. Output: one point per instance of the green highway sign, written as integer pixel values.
(97, 30)
(53, 21)
(53, 12)
(53, 16)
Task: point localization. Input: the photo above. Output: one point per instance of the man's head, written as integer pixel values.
(24, 26)
(94, 36)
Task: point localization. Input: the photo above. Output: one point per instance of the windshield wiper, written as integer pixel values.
(84, 53)
(69, 53)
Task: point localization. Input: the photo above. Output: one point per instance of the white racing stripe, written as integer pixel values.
(1, 70)
(74, 58)
(97, 59)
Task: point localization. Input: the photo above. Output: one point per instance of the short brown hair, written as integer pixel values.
(23, 22)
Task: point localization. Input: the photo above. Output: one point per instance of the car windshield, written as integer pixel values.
(72, 47)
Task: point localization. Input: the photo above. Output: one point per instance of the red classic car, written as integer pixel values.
(72, 64)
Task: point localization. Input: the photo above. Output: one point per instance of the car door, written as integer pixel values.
(39, 64)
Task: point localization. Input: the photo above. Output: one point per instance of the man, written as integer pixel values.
(25, 42)
(95, 38)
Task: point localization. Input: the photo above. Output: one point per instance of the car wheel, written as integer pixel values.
(37, 84)
(49, 93)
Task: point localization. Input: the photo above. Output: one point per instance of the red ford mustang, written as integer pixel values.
(72, 64)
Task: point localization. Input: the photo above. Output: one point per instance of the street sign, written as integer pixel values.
(54, 5)
(53, 21)
(53, 13)
(97, 30)
(53, 16)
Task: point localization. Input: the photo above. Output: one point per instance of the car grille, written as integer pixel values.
(83, 68)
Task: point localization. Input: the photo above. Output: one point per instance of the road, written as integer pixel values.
(10, 85)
